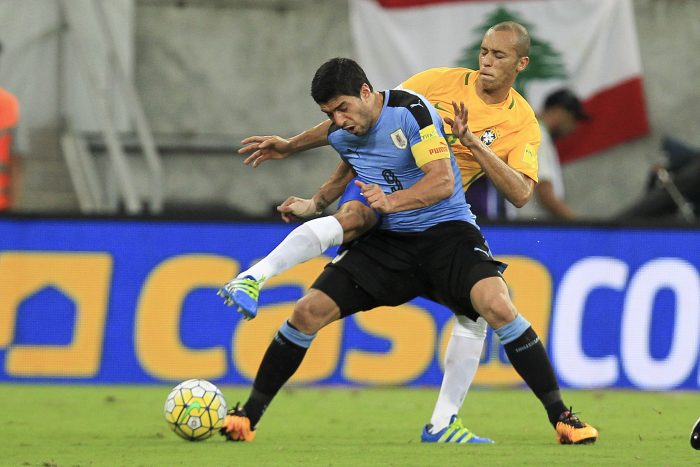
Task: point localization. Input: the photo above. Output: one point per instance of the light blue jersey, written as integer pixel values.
(408, 134)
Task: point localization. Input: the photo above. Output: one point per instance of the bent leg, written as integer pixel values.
(353, 219)
(312, 238)
(524, 348)
(287, 350)
(303, 243)
(307, 241)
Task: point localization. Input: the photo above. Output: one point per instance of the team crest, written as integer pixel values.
(399, 139)
(488, 137)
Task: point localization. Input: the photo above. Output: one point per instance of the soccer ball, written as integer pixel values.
(195, 409)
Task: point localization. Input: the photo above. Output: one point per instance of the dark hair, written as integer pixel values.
(568, 101)
(338, 77)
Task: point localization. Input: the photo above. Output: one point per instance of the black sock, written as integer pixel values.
(529, 358)
(281, 360)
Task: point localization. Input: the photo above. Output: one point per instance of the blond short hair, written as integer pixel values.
(522, 37)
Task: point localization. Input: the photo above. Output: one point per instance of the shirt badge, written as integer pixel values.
(488, 137)
(399, 139)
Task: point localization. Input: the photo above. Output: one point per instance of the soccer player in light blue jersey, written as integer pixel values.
(427, 244)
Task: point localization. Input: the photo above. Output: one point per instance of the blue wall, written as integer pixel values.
(134, 301)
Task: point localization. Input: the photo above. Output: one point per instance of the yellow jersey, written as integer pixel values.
(509, 128)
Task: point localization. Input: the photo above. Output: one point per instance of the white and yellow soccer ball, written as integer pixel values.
(195, 409)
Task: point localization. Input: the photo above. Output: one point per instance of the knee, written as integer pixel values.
(307, 316)
(497, 309)
(356, 219)
(303, 317)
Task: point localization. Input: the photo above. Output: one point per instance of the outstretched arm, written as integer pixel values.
(515, 186)
(274, 147)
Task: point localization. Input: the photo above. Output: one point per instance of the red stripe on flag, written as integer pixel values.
(414, 3)
(618, 114)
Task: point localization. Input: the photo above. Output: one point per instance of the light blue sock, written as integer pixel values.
(512, 330)
(296, 336)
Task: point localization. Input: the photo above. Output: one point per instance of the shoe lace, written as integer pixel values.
(237, 411)
(570, 418)
(457, 424)
(248, 285)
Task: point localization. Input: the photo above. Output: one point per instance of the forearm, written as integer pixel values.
(312, 138)
(513, 185)
(333, 187)
(431, 189)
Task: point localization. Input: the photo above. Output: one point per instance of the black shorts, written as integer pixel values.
(390, 268)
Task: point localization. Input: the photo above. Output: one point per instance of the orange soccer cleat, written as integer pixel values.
(571, 430)
(237, 425)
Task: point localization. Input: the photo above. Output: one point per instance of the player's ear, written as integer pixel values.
(522, 63)
(365, 92)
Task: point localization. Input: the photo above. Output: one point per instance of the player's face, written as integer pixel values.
(352, 114)
(499, 62)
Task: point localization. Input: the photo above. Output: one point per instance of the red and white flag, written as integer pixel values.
(589, 46)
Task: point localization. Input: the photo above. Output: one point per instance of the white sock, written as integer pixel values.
(307, 241)
(461, 361)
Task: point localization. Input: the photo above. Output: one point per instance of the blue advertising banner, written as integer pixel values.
(131, 301)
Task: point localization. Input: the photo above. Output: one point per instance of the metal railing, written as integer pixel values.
(92, 191)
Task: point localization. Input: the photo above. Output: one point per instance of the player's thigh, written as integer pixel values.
(460, 259)
(340, 286)
(370, 274)
(314, 311)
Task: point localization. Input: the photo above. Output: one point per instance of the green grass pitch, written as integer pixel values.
(75, 425)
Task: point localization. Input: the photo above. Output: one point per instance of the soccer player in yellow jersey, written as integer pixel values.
(497, 135)
(508, 128)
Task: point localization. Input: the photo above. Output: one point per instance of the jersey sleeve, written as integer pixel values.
(421, 128)
(419, 82)
(427, 138)
(523, 157)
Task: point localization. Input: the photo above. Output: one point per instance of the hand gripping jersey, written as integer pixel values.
(509, 128)
(408, 134)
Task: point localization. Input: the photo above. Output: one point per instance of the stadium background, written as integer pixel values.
(97, 300)
(213, 71)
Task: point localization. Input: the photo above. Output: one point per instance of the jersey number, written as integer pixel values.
(392, 180)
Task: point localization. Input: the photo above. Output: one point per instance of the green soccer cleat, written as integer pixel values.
(242, 292)
(454, 433)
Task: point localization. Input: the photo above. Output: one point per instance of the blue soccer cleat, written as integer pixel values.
(242, 292)
(455, 433)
